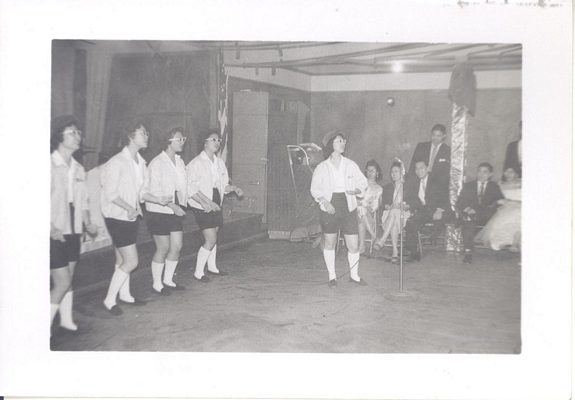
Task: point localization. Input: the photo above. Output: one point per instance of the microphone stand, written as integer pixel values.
(401, 292)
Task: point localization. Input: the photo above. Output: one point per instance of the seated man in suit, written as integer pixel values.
(436, 154)
(477, 203)
(428, 201)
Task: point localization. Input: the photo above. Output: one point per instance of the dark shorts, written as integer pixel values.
(162, 224)
(212, 219)
(123, 233)
(62, 253)
(343, 220)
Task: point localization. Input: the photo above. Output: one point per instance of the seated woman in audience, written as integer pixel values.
(504, 229)
(368, 205)
(391, 217)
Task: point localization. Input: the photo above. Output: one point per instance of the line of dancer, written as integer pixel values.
(166, 190)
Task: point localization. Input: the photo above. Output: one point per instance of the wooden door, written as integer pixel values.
(250, 150)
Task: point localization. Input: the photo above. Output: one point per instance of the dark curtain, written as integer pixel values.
(165, 90)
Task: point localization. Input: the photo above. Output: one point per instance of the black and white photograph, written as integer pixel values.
(286, 197)
(330, 200)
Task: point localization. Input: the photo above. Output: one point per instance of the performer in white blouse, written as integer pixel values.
(369, 204)
(165, 223)
(69, 216)
(208, 182)
(124, 180)
(335, 184)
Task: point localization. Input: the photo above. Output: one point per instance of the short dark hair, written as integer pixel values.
(57, 127)
(439, 127)
(328, 149)
(373, 163)
(423, 161)
(503, 178)
(132, 126)
(172, 132)
(486, 165)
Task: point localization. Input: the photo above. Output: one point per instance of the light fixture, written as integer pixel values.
(397, 67)
(390, 101)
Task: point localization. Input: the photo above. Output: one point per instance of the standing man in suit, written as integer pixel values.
(513, 155)
(428, 202)
(436, 155)
(476, 204)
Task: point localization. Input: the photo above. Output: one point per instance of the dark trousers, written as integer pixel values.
(469, 227)
(416, 221)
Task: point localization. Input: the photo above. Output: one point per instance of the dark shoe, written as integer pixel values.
(221, 273)
(136, 302)
(163, 292)
(332, 283)
(203, 279)
(361, 282)
(177, 287)
(467, 259)
(115, 310)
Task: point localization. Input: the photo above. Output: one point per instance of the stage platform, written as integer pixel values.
(96, 267)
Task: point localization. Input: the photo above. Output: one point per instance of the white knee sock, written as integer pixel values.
(353, 259)
(125, 294)
(201, 259)
(329, 258)
(212, 260)
(169, 272)
(118, 279)
(157, 269)
(53, 311)
(66, 307)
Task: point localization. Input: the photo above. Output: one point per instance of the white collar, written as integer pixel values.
(206, 157)
(59, 160)
(128, 155)
(167, 157)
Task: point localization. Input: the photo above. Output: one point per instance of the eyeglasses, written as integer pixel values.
(181, 139)
(76, 132)
(215, 140)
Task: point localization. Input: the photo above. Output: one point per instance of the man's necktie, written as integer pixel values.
(432, 156)
(481, 192)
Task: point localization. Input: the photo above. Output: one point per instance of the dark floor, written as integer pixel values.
(276, 300)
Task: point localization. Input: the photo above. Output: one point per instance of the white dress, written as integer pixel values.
(504, 228)
(370, 201)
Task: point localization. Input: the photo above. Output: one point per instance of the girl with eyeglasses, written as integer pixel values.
(208, 182)
(125, 185)
(335, 183)
(69, 216)
(165, 222)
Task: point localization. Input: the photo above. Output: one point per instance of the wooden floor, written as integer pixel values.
(276, 300)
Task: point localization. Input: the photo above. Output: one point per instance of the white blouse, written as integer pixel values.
(167, 180)
(323, 182)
